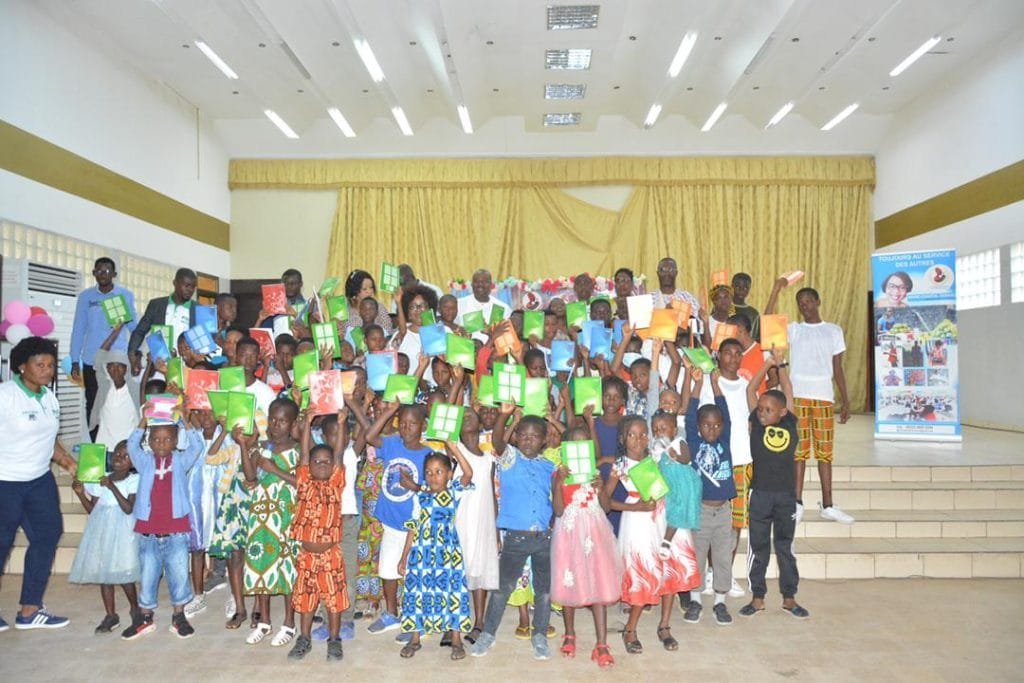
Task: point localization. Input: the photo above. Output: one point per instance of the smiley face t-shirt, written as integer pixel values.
(772, 448)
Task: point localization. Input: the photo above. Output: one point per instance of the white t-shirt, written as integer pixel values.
(468, 304)
(735, 393)
(811, 349)
(348, 494)
(264, 396)
(28, 429)
(178, 317)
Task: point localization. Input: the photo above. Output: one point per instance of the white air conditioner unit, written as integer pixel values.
(56, 290)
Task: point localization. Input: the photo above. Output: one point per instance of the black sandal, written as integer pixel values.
(236, 621)
(409, 650)
(446, 639)
(669, 643)
(633, 646)
(470, 638)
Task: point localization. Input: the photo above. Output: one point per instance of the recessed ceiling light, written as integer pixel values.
(369, 60)
(632, 37)
(682, 54)
(217, 61)
(615, 87)
(572, 17)
(838, 118)
(403, 123)
(281, 125)
(572, 59)
(339, 119)
(780, 114)
(566, 119)
(263, 44)
(914, 56)
(336, 44)
(467, 125)
(652, 115)
(713, 119)
(490, 42)
(564, 91)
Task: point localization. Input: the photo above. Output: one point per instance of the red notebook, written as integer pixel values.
(274, 300)
(325, 392)
(265, 339)
(197, 384)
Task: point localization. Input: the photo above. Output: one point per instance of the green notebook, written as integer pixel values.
(115, 308)
(328, 287)
(326, 337)
(497, 315)
(337, 308)
(427, 318)
(576, 314)
(586, 391)
(231, 379)
(359, 340)
(241, 411)
(401, 388)
(445, 422)
(302, 365)
(460, 351)
(389, 278)
(485, 392)
(473, 321)
(533, 324)
(581, 460)
(647, 478)
(168, 332)
(92, 463)
(508, 383)
(218, 403)
(700, 358)
(536, 391)
(176, 373)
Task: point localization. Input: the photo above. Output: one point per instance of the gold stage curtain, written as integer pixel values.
(758, 215)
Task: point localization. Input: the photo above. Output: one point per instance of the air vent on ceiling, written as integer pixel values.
(564, 119)
(572, 59)
(572, 17)
(564, 91)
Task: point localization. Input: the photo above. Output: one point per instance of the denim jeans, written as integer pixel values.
(516, 547)
(164, 556)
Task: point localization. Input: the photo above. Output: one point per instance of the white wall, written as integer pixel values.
(66, 91)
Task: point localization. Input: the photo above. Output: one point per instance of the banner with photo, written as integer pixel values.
(917, 391)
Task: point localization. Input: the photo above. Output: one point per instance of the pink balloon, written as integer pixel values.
(40, 325)
(17, 332)
(17, 312)
(3, 328)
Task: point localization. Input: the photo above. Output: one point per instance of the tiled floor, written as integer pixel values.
(856, 445)
(885, 630)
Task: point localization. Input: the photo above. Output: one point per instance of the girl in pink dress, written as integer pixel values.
(648, 578)
(586, 569)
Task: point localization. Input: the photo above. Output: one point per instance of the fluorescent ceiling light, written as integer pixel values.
(682, 54)
(713, 119)
(562, 119)
(838, 118)
(467, 125)
(915, 55)
(366, 54)
(403, 123)
(780, 114)
(339, 119)
(564, 91)
(217, 61)
(282, 126)
(572, 17)
(652, 115)
(577, 58)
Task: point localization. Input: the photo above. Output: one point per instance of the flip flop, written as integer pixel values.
(458, 652)
(410, 650)
(470, 637)
(236, 620)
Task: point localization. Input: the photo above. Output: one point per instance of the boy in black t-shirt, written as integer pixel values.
(773, 441)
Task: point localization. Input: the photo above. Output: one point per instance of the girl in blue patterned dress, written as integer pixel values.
(436, 599)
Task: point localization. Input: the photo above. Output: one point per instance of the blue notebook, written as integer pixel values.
(601, 343)
(158, 346)
(378, 367)
(434, 339)
(207, 317)
(563, 352)
(617, 332)
(200, 339)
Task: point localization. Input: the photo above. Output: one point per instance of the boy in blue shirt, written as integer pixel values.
(707, 435)
(524, 515)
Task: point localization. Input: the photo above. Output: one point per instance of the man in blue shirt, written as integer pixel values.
(90, 328)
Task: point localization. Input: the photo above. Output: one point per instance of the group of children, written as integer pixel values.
(448, 532)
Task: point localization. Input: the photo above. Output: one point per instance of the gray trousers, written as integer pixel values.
(716, 534)
(349, 539)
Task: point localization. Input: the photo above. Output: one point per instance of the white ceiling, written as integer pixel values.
(489, 55)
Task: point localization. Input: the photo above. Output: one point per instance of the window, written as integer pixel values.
(1017, 272)
(978, 280)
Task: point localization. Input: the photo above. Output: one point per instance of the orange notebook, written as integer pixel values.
(684, 309)
(507, 341)
(793, 276)
(723, 332)
(719, 277)
(664, 323)
(774, 332)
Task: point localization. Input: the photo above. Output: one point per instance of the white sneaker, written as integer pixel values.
(230, 607)
(834, 514)
(798, 516)
(195, 606)
(737, 590)
(708, 583)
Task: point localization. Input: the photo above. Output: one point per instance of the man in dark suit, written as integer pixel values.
(177, 310)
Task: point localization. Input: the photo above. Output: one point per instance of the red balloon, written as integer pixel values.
(38, 310)
(40, 325)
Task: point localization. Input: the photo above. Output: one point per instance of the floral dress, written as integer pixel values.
(368, 586)
(436, 598)
(269, 549)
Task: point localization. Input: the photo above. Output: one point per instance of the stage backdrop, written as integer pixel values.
(917, 393)
(448, 217)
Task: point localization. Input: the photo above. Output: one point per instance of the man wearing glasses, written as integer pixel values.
(90, 329)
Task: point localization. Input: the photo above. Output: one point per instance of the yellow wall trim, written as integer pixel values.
(33, 157)
(981, 195)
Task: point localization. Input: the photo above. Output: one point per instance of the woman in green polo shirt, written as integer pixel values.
(29, 420)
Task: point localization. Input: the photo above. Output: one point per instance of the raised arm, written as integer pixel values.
(498, 435)
(467, 470)
(620, 351)
(755, 381)
(373, 433)
(306, 438)
(773, 298)
(341, 438)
